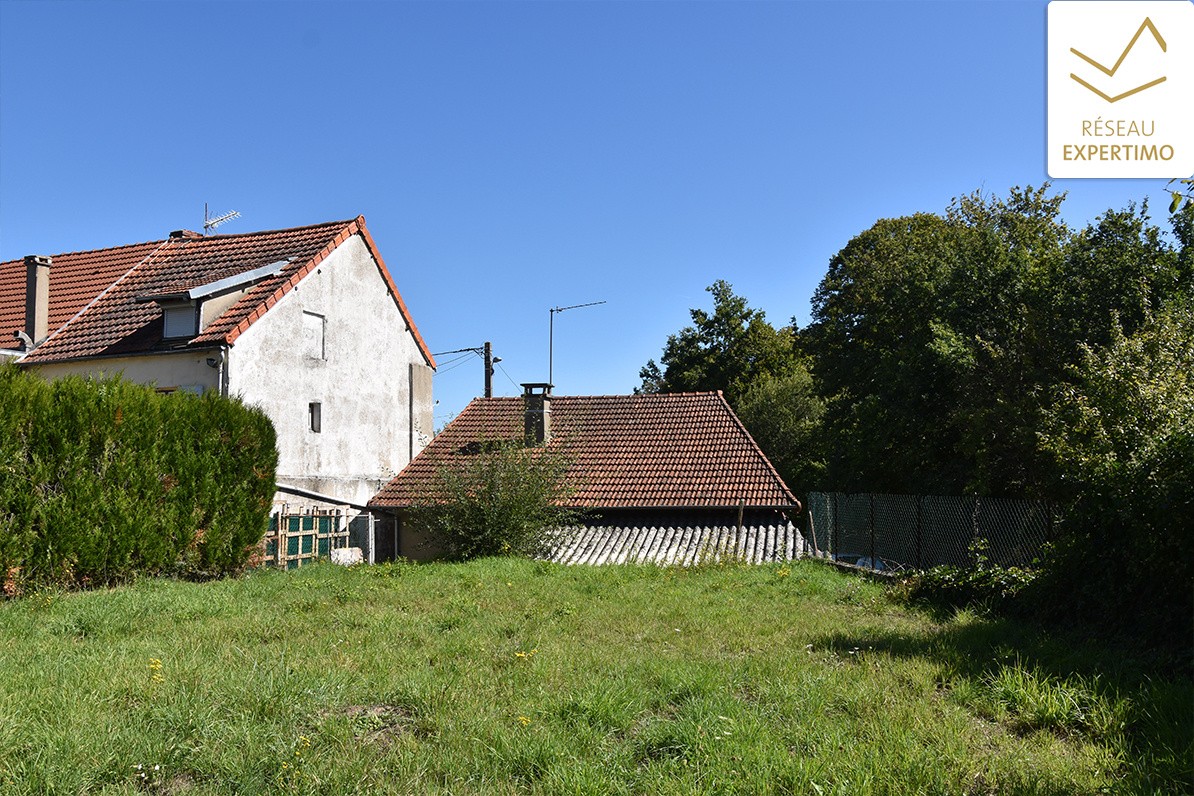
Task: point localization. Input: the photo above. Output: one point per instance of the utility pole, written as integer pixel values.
(488, 370)
(486, 353)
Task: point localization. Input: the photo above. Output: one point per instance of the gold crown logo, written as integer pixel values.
(1146, 25)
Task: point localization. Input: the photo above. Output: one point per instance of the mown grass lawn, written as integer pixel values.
(507, 676)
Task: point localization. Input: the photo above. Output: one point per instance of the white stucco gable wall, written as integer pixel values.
(337, 339)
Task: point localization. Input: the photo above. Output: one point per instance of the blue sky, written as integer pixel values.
(511, 157)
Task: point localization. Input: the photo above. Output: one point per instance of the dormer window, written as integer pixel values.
(186, 311)
(179, 321)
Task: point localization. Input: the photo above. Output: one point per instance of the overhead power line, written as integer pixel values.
(551, 328)
(486, 354)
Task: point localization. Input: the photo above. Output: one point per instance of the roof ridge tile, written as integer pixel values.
(167, 239)
(92, 251)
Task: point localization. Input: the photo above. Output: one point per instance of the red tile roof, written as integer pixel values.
(93, 295)
(627, 451)
(76, 280)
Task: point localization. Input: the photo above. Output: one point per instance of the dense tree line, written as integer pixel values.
(992, 350)
(938, 346)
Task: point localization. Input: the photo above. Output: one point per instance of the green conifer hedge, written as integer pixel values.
(102, 480)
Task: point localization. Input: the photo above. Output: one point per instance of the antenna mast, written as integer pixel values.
(551, 330)
(210, 223)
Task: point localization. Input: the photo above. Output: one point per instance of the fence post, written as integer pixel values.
(283, 538)
(837, 531)
(973, 551)
(834, 530)
(919, 530)
(873, 531)
(372, 537)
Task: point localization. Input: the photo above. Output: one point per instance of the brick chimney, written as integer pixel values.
(37, 297)
(536, 409)
(185, 233)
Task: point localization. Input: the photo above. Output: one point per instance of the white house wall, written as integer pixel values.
(360, 373)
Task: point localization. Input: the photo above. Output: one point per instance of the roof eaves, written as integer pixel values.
(181, 350)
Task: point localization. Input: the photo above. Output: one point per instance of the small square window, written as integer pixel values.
(313, 415)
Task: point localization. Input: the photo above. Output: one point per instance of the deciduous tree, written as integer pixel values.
(736, 350)
(727, 349)
(937, 340)
(1122, 437)
(783, 414)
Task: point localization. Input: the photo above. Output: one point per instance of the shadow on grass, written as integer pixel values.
(1148, 716)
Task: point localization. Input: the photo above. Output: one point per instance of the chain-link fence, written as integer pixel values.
(892, 532)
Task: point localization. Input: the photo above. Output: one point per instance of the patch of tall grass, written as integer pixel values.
(506, 676)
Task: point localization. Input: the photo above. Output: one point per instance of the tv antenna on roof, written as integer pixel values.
(551, 330)
(210, 223)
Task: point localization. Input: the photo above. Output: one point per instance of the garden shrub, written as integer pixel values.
(502, 499)
(1123, 439)
(988, 587)
(102, 480)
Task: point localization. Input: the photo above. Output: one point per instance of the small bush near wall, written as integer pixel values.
(988, 587)
(102, 480)
(501, 499)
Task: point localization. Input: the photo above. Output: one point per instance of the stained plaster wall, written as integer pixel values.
(369, 377)
(186, 370)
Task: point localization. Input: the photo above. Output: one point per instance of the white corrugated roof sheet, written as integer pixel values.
(678, 545)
